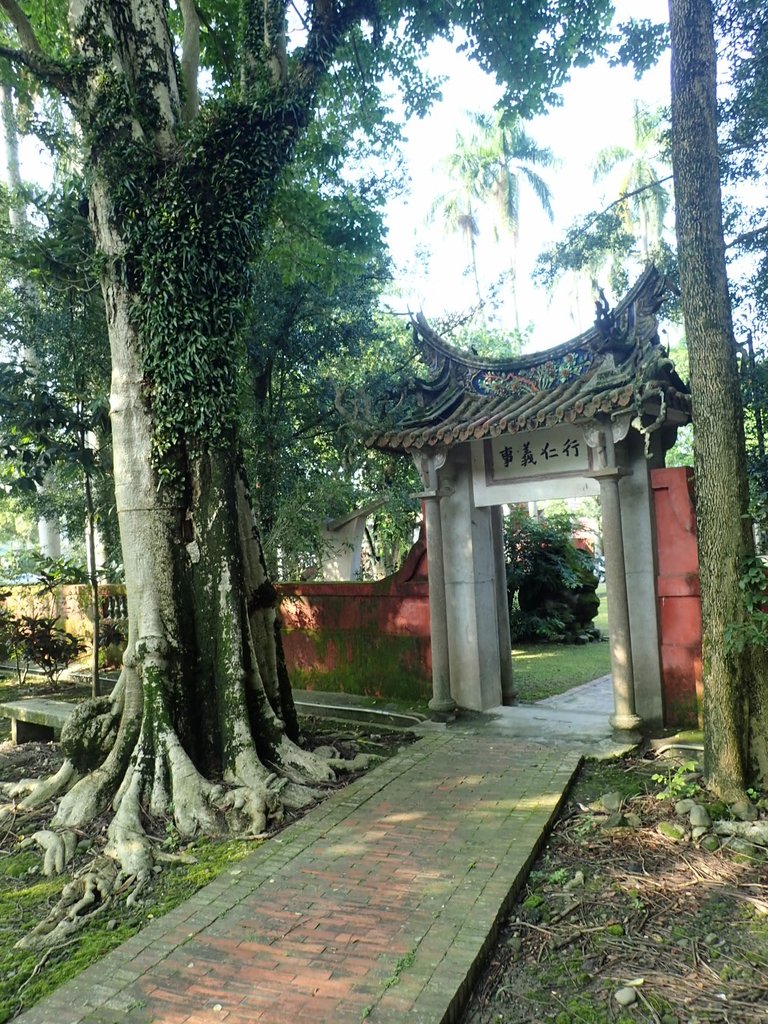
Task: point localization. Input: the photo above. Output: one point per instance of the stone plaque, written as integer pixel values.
(539, 453)
(534, 465)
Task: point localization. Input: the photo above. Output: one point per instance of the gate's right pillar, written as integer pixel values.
(679, 595)
(637, 520)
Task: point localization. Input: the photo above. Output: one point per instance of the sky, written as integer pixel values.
(596, 112)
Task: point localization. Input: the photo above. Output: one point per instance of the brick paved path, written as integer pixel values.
(375, 906)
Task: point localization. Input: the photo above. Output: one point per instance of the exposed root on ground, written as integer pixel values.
(302, 766)
(58, 849)
(88, 894)
(36, 792)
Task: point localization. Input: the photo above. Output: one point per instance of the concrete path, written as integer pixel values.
(377, 906)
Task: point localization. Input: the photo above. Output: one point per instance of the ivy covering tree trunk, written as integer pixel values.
(735, 711)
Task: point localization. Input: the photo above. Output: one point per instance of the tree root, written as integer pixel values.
(35, 792)
(81, 898)
(302, 766)
(58, 847)
(359, 763)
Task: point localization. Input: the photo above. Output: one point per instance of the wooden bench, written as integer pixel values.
(35, 718)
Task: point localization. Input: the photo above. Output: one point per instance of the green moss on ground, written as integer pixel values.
(26, 897)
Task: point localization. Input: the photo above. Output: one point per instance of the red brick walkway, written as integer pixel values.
(376, 906)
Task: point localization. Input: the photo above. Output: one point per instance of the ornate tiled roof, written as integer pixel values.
(616, 367)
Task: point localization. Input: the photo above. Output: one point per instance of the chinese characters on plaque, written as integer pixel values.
(553, 452)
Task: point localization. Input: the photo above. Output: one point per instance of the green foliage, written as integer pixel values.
(55, 374)
(629, 231)
(550, 583)
(52, 573)
(752, 630)
(676, 782)
(37, 640)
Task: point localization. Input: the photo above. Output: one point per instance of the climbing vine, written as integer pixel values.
(190, 223)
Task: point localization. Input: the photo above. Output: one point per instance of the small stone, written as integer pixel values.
(683, 807)
(326, 752)
(744, 850)
(217, 1007)
(625, 996)
(710, 938)
(611, 801)
(671, 830)
(614, 820)
(576, 882)
(699, 817)
(698, 832)
(744, 810)
(111, 924)
(633, 820)
(710, 843)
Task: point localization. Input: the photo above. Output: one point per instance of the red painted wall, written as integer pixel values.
(678, 595)
(366, 638)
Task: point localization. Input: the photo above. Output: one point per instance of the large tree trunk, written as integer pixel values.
(733, 690)
(201, 738)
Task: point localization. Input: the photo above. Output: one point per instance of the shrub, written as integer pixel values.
(550, 583)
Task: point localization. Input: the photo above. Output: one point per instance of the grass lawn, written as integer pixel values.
(544, 670)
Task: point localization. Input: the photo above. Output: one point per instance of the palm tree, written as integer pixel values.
(642, 168)
(509, 155)
(490, 167)
(458, 204)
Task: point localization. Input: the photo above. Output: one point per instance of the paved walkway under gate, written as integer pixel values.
(378, 905)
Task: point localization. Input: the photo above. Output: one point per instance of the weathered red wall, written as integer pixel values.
(678, 594)
(366, 638)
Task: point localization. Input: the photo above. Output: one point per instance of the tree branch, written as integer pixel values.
(23, 26)
(275, 42)
(190, 59)
(622, 198)
(748, 236)
(59, 76)
(329, 24)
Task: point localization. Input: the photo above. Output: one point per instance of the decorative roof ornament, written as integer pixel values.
(616, 367)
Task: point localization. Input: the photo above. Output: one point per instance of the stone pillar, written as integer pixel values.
(624, 716)
(508, 691)
(471, 588)
(442, 703)
(49, 537)
(640, 564)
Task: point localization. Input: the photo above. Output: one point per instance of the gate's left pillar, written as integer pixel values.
(470, 556)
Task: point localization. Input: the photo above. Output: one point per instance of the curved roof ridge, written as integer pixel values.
(651, 286)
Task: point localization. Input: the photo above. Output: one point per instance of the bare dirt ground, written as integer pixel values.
(614, 908)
